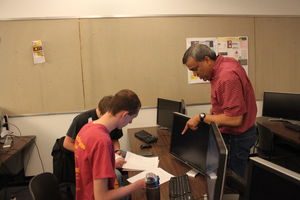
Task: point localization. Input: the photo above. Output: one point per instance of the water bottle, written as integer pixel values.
(152, 187)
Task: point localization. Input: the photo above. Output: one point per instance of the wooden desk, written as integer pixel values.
(12, 158)
(166, 162)
(278, 144)
(277, 128)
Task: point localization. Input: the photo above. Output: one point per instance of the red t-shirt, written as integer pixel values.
(232, 94)
(94, 159)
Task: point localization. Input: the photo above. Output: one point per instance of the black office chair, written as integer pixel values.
(44, 187)
(265, 148)
(63, 162)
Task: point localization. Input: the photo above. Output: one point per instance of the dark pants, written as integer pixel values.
(239, 149)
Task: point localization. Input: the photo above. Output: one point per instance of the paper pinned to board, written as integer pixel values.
(38, 52)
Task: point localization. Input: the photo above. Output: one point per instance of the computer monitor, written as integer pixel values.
(281, 105)
(267, 180)
(204, 150)
(216, 162)
(165, 109)
(191, 147)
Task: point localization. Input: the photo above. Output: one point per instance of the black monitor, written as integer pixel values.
(190, 148)
(267, 180)
(216, 161)
(204, 150)
(165, 109)
(281, 105)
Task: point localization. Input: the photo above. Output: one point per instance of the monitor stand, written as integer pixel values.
(192, 173)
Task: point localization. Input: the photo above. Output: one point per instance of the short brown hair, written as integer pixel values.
(104, 104)
(125, 100)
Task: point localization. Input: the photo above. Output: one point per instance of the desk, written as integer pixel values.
(277, 128)
(279, 144)
(12, 159)
(166, 162)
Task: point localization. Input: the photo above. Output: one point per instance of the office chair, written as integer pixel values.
(265, 142)
(44, 187)
(63, 162)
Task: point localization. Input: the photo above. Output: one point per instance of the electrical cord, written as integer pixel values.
(42, 164)
(20, 133)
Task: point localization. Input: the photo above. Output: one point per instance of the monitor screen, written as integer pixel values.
(281, 105)
(216, 161)
(190, 148)
(165, 109)
(267, 180)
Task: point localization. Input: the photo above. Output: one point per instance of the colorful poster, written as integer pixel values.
(236, 47)
(38, 52)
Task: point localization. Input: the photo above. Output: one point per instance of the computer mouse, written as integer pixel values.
(145, 146)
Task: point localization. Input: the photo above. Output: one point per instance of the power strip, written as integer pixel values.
(8, 141)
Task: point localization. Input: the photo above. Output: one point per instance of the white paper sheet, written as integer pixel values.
(139, 163)
(164, 176)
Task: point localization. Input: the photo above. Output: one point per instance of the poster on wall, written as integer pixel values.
(38, 52)
(236, 47)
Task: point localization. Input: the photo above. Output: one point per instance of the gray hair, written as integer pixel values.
(198, 51)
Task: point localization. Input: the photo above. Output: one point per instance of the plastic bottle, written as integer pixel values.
(152, 187)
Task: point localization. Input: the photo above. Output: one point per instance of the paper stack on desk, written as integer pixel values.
(136, 162)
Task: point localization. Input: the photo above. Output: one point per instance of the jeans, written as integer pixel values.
(119, 178)
(121, 182)
(239, 149)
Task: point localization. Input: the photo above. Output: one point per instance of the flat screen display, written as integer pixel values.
(216, 162)
(165, 109)
(281, 105)
(267, 180)
(191, 147)
(204, 150)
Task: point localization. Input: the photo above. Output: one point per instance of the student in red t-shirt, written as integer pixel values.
(94, 152)
(232, 100)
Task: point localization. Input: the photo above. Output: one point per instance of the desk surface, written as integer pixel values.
(277, 128)
(166, 162)
(18, 145)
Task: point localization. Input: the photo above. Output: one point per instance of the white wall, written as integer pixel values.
(48, 128)
(16, 9)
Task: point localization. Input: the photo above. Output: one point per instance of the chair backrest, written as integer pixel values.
(44, 187)
(63, 162)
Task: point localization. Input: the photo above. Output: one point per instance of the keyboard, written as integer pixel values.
(179, 188)
(145, 137)
(295, 127)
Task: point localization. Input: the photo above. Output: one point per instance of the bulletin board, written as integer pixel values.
(144, 54)
(86, 59)
(53, 86)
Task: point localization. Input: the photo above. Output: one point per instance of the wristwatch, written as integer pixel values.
(202, 117)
